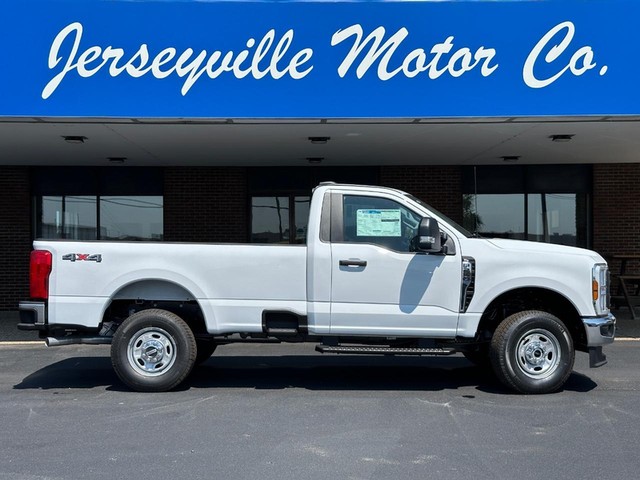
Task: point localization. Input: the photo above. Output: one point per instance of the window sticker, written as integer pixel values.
(378, 223)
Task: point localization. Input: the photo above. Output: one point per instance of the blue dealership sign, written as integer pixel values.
(208, 59)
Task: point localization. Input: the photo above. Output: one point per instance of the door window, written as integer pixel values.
(379, 221)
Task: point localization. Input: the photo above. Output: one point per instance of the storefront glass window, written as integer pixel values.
(495, 215)
(72, 217)
(99, 203)
(539, 203)
(552, 218)
(270, 220)
(85, 217)
(272, 216)
(50, 225)
(131, 218)
(301, 212)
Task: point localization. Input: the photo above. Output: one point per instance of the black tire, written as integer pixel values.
(532, 352)
(206, 348)
(153, 351)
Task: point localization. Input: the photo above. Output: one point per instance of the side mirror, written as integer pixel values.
(429, 239)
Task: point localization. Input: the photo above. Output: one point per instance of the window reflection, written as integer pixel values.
(50, 225)
(552, 218)
(559, 218)
(270, 219)
(72, 217)
(499, 216)
(90, 217)
(131, 218)
(301, 211)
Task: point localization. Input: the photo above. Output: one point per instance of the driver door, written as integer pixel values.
(379, 286)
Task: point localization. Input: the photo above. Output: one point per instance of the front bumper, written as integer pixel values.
(600, 331)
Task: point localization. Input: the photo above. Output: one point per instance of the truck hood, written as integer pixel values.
(544, 248)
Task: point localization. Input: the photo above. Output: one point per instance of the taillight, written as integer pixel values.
(39, 270)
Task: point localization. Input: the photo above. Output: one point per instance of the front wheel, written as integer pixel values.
(153, 351)
(532, 352)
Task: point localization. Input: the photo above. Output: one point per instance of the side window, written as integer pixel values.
(379, 221)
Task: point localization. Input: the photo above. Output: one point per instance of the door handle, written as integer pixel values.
(353, 263)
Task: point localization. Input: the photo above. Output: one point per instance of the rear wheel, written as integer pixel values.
(532, 352)
(153, 351)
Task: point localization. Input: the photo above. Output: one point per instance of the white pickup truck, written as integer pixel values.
(381, 273)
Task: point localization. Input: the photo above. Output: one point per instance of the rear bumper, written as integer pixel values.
(33, 316)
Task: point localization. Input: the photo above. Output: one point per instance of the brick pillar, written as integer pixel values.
(437, 185)
(205, 204)
(15, 236)
(616, 211)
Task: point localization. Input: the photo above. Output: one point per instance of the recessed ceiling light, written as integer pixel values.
(74, 139)
(561, 137)
(315, 160)
(319, 140)
(116, 160)
(510, 158)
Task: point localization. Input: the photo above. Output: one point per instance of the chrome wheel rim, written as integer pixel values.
(151, 351)
(538, 353)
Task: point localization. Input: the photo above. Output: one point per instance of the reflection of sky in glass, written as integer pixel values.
(501, 213)
(561, 214)
(551, 217)
(51, 221)
(130, 218)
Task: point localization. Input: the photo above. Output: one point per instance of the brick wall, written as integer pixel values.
(616, 211)
(15, 236)
(205, 204)
(437, 185)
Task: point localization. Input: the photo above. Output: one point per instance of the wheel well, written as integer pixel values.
(161, 294)
(523, 299)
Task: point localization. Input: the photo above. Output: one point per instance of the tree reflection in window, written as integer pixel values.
(279, 219)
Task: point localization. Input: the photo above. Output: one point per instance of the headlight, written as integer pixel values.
(600, 288)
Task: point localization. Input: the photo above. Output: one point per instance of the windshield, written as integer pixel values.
(455, 225)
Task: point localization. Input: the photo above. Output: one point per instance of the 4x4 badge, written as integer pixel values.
(83, 257)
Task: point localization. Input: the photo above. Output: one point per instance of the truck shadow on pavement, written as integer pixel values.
(309, 372)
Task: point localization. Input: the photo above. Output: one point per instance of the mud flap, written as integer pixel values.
(596, 357)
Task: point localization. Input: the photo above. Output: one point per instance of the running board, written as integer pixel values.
(385, 350)
(282, 332)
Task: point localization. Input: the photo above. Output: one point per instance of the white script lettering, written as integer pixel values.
(416, 62)
(258, 62)
(581, 61)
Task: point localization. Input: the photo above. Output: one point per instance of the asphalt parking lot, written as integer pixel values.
(286, 412)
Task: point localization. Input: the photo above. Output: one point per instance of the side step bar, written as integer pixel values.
(385, 350)
(282, 332)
